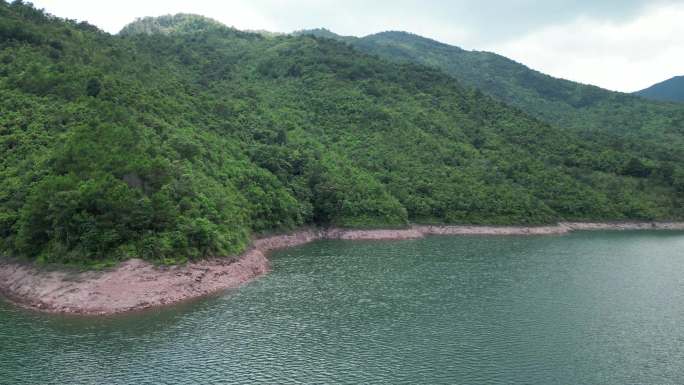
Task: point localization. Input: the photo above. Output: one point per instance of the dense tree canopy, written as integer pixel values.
(671, 90)
(651, 131)
(182, 144)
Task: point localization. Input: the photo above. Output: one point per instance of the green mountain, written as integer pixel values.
(655, 130)
(182, 144)
(671, 90)
(168, 24)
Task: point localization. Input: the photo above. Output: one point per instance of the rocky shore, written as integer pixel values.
(137, 285)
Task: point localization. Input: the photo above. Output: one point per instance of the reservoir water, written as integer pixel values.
(585, 308)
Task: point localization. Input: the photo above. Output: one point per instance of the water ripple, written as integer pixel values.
(585, 308)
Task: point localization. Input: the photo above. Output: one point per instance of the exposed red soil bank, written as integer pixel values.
(136, 284)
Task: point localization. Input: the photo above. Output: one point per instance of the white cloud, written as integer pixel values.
(626, 56)
(111, 16)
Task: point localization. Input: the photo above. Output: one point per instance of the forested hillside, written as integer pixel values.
(653, 130)
(671, 90)
(182, 142)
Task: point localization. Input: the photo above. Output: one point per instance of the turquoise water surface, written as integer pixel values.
(586, 308)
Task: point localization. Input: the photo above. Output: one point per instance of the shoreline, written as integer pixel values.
(137, 285)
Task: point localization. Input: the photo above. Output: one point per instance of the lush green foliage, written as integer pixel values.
(670, 90)
(652, 132)
(180, 23)
(181, 145)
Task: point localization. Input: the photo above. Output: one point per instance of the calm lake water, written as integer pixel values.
(590, 308)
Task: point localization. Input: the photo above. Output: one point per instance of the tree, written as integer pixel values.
(635, 167)
(93, 87)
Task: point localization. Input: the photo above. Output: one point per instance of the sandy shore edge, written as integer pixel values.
(136, 284)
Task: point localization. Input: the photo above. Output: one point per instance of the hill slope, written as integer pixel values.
(671, 90)
(180, 145)
(655, 130)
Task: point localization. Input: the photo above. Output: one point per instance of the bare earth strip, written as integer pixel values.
(137, 285)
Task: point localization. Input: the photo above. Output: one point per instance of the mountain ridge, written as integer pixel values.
(655, 129)
(671, 90)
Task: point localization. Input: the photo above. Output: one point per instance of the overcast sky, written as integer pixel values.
(623, 45)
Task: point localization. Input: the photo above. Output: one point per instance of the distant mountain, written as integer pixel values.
(671, 90)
